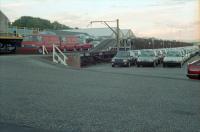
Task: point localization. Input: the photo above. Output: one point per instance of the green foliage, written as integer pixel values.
(32, 22)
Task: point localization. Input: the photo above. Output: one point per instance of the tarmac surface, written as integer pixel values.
(38, 95)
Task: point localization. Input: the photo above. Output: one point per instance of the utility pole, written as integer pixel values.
(115, 32)
(117, 35)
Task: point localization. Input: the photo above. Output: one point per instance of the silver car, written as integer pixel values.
(148, 57)
(173, 58)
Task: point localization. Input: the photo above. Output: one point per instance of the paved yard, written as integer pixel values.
(37, 94)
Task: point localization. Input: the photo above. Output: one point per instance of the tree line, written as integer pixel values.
(33, 22)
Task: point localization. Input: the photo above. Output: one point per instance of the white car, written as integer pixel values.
(174, 58)
(148, 57)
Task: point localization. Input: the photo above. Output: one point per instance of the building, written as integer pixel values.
(68, 33)
(4, 27)
(104, 32)
(3, 22)
(22, 31)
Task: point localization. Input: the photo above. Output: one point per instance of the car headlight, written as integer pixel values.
(113, 60)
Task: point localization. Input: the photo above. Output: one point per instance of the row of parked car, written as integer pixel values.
(34, 43)
(154, 57)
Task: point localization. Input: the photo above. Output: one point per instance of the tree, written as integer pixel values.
(32, 22)
(57, 26)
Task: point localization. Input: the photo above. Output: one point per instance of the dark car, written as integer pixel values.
(193, 70)
(124, 58)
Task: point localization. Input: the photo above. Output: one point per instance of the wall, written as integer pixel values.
(3, 23)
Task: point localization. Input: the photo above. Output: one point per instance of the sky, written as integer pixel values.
(164, 19)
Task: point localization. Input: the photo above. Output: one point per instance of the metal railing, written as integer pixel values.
(23, 31)
(44, 50)
(58, 56)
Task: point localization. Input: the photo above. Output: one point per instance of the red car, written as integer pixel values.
(74, 42)
(194, 70)
(34, 43)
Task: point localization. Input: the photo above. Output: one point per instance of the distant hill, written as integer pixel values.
(33, 22)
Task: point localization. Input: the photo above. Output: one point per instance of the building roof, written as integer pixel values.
(102, 32)
(66, 32)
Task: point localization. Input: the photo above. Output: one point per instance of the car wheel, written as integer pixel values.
(13, 51)
(164, 65)
(113, 65)
(2, 45)
(154, 64)
(40, 51)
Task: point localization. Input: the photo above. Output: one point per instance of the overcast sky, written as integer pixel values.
(166, 19)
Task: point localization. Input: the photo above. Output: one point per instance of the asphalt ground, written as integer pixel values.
(38, 95)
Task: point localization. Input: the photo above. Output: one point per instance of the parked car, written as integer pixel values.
(148, 57)
(137, 53)
(34, 43)
(124, 58)
(193, 70)
(173, 58)
(76, 42)
(160, 55)
(69, 43)
(186, 55)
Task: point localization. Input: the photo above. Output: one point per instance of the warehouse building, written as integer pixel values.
(104, 32)
(3, 22)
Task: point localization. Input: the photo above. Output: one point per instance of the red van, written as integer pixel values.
(70, 42)
(34, 43)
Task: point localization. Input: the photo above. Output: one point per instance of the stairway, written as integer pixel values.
(105, 45)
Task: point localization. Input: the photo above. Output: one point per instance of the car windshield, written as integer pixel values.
(123, 54)
(147, 54)
(173, 54)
